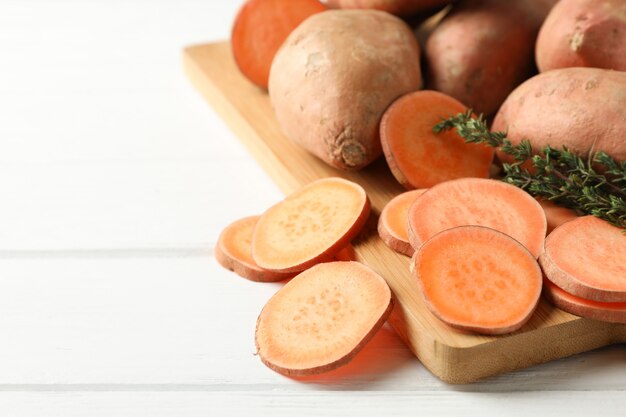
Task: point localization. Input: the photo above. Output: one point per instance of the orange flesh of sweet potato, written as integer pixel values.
(597, 310)
(346, 254)
(322, 318)
(483, 202)
(310, 225)
(260, 28)
(392, 223)
(556, 215)
(586, 257)
(234, 251)
(420, 158)
(478, 279)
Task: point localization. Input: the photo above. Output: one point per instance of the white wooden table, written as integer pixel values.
(115, 180)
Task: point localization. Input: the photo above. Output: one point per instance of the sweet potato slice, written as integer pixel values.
(478, 279)
(420, 158)
(596, 310)
(310, 226)
(322, 318)
(261, 26)
(392, 223)
(346, 254)
(586, 257)
(483, 202)
(555, 214)
(234, 251)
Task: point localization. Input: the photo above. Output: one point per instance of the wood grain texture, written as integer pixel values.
(452, 355)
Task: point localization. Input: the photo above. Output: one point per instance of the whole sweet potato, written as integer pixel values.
(483, 49)
(397, 7)
(584, 33)
(581, 108)
(334, 77)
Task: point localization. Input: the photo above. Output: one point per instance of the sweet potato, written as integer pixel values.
(392, 223)
(482, 202)
(581, 108)
(476, 278)
(482, 50)
(310, 225)
(234, 251)
(596, 310)
(260, 27)
(583, 33)
(556, 215)
(334, 77)
(586, 257)
(418, 157)
(322, 318)
(397, 7)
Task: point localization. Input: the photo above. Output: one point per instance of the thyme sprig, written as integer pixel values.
(595, 186)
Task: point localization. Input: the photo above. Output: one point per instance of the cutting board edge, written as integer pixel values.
(235, 121)
(466, 364)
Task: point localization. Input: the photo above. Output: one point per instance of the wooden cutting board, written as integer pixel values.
(452, 355)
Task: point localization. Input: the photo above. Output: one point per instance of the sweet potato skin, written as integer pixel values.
(581, 108)
(482, 50)
(334, 77)
(596, 310)
(397, 7)
(583, 33)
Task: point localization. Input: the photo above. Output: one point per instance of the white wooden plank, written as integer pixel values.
(127, 204)
(103, 142)
(178, 321)
(237, 404)
(103, 80)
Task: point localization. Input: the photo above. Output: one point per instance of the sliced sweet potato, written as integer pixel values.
(310, 226)
(478, 279)
(346, 254)
(392, 223)
(556, 215)
(322, 318)
(420, 158)
(234, 251)
(586, 257)
(483, 202)
(596, 310)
